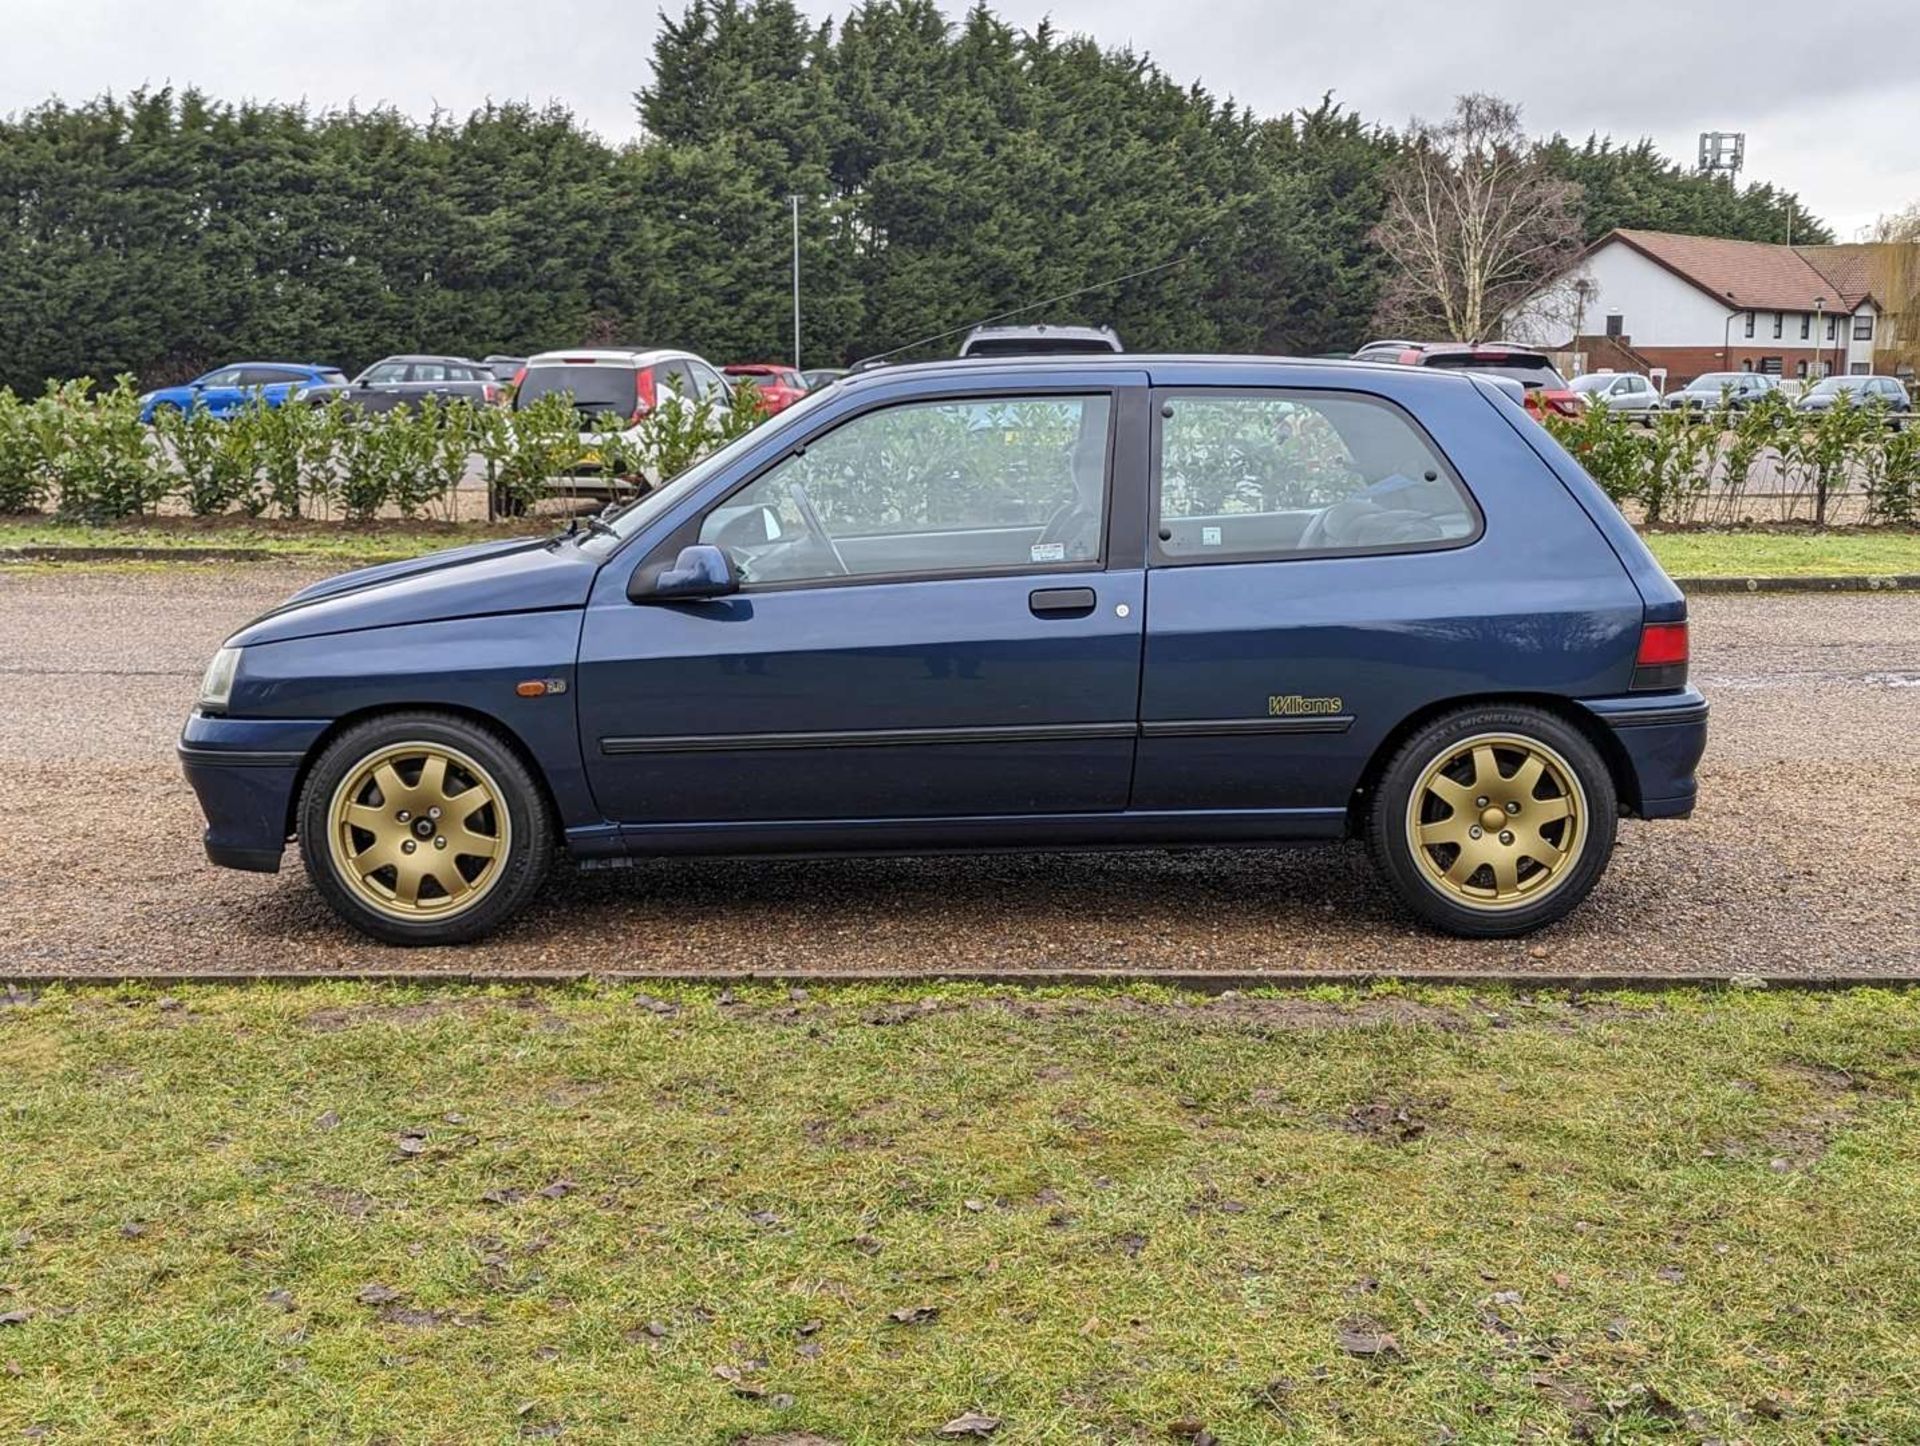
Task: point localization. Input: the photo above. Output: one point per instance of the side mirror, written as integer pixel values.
(700, 571)
(197, 387)
(363, 383)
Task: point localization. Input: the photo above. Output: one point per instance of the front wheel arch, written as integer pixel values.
(1625, 782)
(475, 716)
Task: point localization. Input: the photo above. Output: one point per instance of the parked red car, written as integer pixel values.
(776, 387)
(1546, 390)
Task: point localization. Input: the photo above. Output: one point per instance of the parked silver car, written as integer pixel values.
(1622, 391)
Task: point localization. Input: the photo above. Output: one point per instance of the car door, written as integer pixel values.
(424, 379)
(222, 392)
(939, 616)
(1318, 573)
(382, 386)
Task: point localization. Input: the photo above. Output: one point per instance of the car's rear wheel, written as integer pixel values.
(1491, 822)
(423, 828)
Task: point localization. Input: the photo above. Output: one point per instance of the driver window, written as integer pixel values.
(1276, 474)
(982, 485)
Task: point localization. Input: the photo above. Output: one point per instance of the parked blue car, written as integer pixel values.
(227, 390)
(1046, 603)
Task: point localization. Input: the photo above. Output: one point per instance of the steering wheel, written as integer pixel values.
(811, 517)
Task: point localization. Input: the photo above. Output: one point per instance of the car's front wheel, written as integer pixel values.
(423, 828)
(1494, 821)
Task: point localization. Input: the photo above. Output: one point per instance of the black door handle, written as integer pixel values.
(1055, 602)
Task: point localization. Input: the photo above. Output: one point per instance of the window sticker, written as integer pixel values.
(1209, 537)
(1049, 552)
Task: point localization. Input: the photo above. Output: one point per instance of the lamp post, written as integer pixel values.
(1726, 338)
(793, 199)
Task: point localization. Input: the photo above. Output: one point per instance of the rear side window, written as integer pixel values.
(708, 380)
(1281, 474)
(594, 388)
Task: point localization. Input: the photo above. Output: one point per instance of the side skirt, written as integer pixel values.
(1196, 828)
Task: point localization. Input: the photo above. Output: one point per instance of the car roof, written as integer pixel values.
(290, 366)
(412, 356)
(974, 368)
(631, 355)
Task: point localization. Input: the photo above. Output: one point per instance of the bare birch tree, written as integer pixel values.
(1475, 224)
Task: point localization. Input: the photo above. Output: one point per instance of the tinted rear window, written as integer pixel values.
(592, 386)
(1529, 371)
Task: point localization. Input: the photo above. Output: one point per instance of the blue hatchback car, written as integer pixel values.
(1077, 602)
(226, 390)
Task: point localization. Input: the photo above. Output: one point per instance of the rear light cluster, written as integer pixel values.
(643, 393)
(1560, 399)
(1661, 662)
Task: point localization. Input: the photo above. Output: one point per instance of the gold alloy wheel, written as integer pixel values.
(419, 831)
(1497, 821)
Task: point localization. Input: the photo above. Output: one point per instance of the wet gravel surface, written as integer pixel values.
(1804, 856)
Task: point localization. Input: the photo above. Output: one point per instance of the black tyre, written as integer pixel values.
(424, 828)
(1491, 822)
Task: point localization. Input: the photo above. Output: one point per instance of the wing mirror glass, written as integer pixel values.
(700, 571)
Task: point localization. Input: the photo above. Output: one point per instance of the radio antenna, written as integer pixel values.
(879, 357)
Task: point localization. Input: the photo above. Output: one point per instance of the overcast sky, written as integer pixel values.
(1831, 110)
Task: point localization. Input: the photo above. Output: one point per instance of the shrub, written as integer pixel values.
(23, 482)
(100, 461)
(1893, 485)
(212, 459)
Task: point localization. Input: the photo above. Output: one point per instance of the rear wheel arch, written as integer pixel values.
(1566, 710)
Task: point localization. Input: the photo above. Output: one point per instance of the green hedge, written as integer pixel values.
(1687, 466)
(84, 453)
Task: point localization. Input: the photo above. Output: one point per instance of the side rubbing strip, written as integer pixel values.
(863, 738)
(923, 737)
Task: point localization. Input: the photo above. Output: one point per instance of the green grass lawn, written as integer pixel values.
(348, 544)
(1786, 554)
(348, 1213)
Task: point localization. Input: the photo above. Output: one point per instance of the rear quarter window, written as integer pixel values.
(1280, 474)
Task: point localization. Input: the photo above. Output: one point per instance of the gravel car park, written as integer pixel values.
(1815, 697)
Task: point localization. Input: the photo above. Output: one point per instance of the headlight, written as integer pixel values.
(217, 687)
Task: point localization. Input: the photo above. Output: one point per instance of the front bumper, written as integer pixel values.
(1661, 736)
(243, 770)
